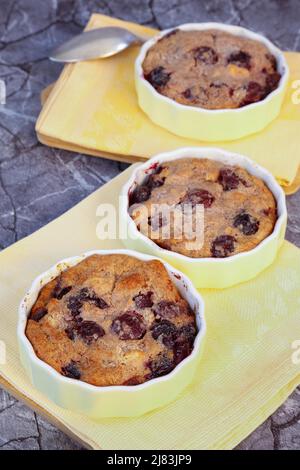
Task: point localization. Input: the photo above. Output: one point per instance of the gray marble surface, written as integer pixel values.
(37, 183)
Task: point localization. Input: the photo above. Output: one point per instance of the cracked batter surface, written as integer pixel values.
(239, 209)
(211, 69)
(107, 321)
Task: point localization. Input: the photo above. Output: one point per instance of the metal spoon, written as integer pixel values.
(95, 44)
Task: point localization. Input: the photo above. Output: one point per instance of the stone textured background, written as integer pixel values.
(37, 183)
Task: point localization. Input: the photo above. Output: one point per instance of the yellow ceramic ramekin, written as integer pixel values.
(209, 272)
(113, 401)
(204, 124)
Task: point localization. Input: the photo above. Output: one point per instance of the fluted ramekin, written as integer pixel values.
(112, 401)
(210, 124)
(209, 272)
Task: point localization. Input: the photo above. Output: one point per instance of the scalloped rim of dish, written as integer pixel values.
(36, 286)
(211, 153)
(282, 65)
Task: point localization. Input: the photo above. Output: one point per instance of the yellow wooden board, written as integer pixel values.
(291, 189)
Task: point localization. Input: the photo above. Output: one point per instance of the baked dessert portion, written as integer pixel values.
(239, 209)
(211, 69)
(107, 321)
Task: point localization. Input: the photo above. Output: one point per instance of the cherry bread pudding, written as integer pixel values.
(239, 209)
(211, 69)
(107, 321)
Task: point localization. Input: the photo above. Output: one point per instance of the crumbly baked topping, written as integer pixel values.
(239, 209)
(107, 321)
(211, 69)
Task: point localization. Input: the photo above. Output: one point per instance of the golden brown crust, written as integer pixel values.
(211, 69)
(237, 206)
(107, 321)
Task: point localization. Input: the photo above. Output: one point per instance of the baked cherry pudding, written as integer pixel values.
(211, 69)
(240, 211)
(107, 321)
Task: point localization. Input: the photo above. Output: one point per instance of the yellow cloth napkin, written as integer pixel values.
(246, 371)
(93, 109)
